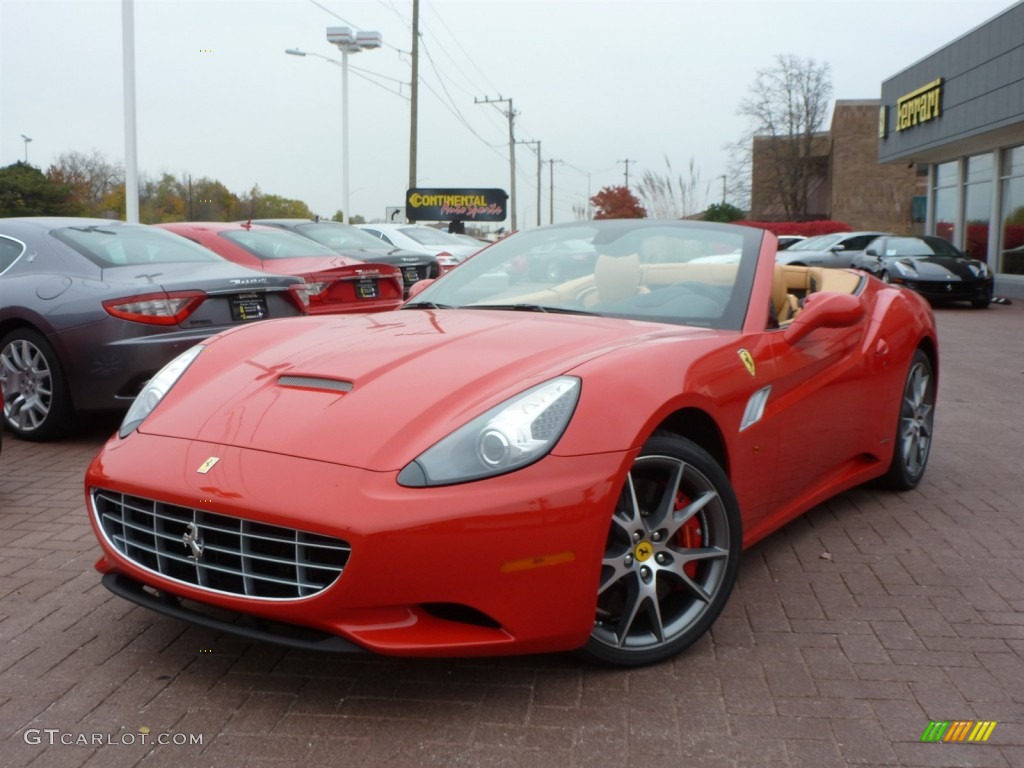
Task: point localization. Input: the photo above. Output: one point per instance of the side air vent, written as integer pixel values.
(315, 382)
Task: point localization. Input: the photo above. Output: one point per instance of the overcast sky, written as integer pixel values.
(597, 82)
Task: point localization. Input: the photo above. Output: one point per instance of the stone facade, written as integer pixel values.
(848, 183)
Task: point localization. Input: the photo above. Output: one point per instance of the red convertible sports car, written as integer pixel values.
(334, 284)
(515, 468)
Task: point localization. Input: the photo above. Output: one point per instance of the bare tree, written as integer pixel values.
(786, 107)
(92, 178)
(666, 197)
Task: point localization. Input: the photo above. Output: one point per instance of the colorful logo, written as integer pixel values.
(958, 730)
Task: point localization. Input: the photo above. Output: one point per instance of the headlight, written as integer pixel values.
(905, 269)
(980, 268)
(156, 388)
(509, 436)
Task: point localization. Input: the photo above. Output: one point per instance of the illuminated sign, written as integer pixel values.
(456, 204)
(919, 106)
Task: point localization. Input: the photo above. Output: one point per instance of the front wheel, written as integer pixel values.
(914, 430)
(671, 555)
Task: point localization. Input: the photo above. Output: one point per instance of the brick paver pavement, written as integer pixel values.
(916, 615)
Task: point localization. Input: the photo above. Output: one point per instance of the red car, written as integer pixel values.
(503, 468)
(334, 284)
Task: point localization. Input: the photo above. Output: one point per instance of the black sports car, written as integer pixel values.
(353, 242)
(930, 265)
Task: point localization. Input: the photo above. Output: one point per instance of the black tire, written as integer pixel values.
(671, 556)
(913, 439)
(37, 404)
(981, 303)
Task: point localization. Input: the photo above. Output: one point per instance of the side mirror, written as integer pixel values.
(419, 287)
(871, 252)
(824, 310)
(838, 247)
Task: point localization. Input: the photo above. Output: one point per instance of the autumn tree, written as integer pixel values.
(256, 205)
(93, 179)
(786, 107)
(617, 203)
(209, 200)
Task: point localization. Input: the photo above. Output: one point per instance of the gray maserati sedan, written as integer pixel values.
(91, 309)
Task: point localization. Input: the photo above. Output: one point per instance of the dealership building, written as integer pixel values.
(958, 115)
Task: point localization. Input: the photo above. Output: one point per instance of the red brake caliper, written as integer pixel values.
(690, 536)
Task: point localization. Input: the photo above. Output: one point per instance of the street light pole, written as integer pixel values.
(27, 140)
(347, 43)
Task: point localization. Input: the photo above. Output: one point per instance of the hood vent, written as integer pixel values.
(316, 382)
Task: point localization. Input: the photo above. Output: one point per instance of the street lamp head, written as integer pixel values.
(347, 42)
(340, 36)
(294, 52)
(369, 40)
(26, 138)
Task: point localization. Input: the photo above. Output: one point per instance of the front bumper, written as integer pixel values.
(505, 565)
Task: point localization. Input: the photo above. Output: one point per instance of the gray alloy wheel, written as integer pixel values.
(671, 555)
(913, 440)
(36, 401)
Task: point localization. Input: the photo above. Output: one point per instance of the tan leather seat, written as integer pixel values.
(615, 278)
(783, 302)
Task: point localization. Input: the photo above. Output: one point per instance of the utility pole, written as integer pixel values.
(551, 201)
(536, 148)
(511, 114)
(627, 162)
(414, 92)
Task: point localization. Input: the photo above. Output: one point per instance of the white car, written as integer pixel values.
(449, 249)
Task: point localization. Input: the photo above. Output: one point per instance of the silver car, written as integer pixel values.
(836, 250)
(91, 309)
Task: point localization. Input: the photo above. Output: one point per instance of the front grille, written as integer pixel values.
(217, 552)
(951, 288)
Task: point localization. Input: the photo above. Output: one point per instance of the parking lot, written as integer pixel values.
(850, 631)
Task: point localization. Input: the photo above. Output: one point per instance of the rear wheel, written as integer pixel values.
(914, 430)
(37, 405)
(671, 556)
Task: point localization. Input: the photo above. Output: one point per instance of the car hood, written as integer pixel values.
(374, 391)
(940, 267)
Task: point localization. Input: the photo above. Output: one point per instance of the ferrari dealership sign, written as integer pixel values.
(456, 204)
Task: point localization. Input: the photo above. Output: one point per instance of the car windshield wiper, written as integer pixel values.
(532, 308)
(426, 305)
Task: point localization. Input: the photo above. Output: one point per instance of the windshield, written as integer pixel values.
(819, 243)
(430, 236)
(117, 244)
(276, 244)
(687, 273)
(342, 236)
(913, 246)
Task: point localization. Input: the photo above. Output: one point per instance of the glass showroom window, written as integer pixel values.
(946, 188)
(978, 205)
(1013, 211)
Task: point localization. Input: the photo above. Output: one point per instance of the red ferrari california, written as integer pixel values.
(334, 284)
(521, 467)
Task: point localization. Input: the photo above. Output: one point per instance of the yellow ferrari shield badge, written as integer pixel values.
(748, 361)
(207, 465)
